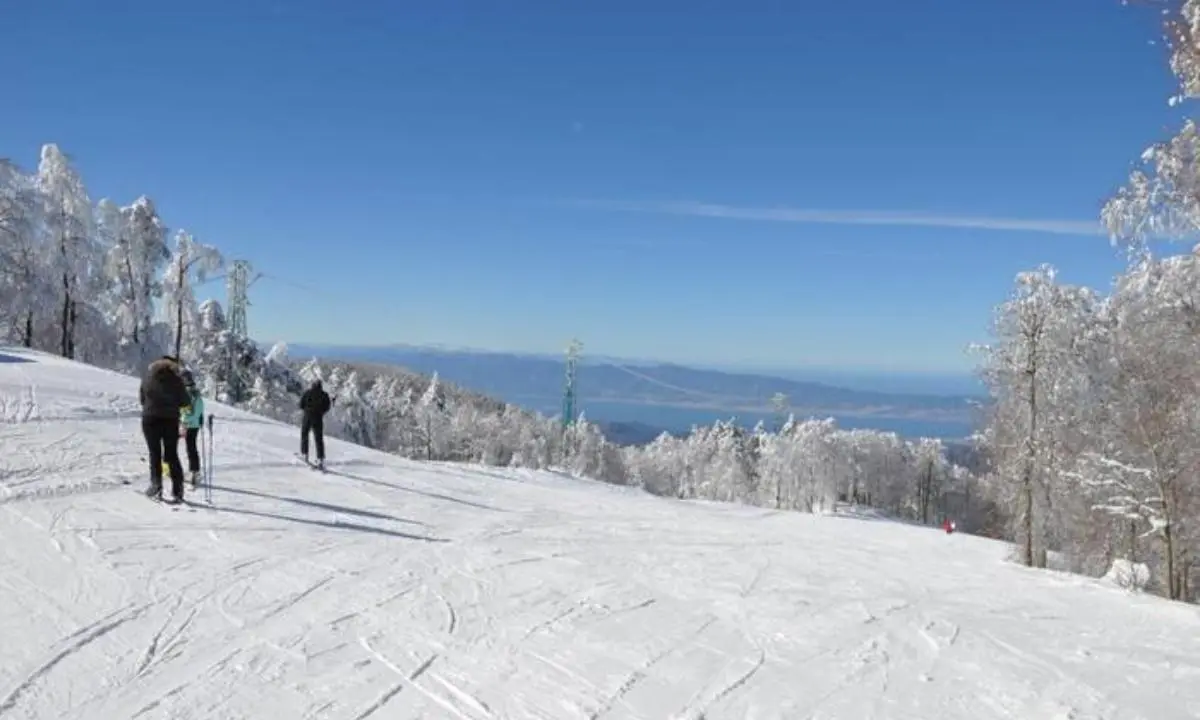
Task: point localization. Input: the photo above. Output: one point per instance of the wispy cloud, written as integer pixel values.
(854, 217)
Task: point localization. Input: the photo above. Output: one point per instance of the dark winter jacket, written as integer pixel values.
(163, 393)
(315, 402)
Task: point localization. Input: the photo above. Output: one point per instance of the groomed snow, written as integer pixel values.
(394, 589)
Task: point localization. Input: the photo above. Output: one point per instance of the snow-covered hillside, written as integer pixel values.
(394, 589)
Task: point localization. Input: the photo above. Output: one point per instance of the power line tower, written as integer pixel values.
(568, 408)
(238, 287)
(779, 405)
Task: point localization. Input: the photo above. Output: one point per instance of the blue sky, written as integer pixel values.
(510, 175)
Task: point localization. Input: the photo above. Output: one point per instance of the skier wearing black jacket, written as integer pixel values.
(315, 403)
(162, 394)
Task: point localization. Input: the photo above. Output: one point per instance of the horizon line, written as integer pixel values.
(691, 208)
(751, 367)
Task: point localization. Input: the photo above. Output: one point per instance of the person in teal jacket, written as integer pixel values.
(192, 419)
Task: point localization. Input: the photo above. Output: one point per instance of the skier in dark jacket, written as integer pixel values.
(315, 403)
(162, 394)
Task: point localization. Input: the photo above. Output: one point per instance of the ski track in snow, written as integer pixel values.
(394, 589)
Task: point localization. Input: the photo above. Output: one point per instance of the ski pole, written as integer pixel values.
(209, 469)
(204, 443)
(208, 482)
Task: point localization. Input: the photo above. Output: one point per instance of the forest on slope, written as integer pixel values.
(1087, 458)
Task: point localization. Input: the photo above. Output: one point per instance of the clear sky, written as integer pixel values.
(509, 175)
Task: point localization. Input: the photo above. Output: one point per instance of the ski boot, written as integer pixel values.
(154, 492)
(176, 493)
(195, 478)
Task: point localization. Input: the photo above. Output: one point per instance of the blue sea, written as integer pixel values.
(681, 419)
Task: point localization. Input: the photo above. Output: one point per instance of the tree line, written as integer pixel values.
(100, 283)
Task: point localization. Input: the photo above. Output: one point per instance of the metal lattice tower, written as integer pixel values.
(568, 410)
(238, 287)
(779, 405)
(237, 284)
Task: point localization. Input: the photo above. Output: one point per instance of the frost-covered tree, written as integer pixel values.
(311, 371)
(69, 272)
(590, 455)
(1121, 446)
(212, 317)
(783, 460)
(137, 253)
(433, 420)
(67, 218)
(235, 370)
(190, 265)
(351, 416)
(1152, 405)
(1162, 197)
(1092, 441)
(809, 465)
(278, 354)
(24, 271)
(406, 426)
(1027, 372)
(931, 475)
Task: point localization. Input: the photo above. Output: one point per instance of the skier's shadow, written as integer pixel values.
(320, 505)
(326, 523)
(285, 464)
(401, 488)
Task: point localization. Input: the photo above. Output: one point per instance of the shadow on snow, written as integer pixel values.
(296, 463)
(323, 523)
(320, 505)
(401, 488)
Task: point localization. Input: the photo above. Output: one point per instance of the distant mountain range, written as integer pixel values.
(536, 381)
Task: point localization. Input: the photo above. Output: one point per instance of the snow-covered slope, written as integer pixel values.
(393, 589)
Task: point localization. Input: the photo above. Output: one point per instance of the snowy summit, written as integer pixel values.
(391, 588)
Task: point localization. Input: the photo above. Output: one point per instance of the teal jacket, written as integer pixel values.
(193, 415)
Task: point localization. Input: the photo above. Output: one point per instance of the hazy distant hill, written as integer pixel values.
(538, 380)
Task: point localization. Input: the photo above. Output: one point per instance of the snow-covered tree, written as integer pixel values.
(1092, 436)
(1027, 372)
(351, 416)
(137, 253)
(67, 218)
(931, 475)
(278, 354)
(590, 455)
(190, 265)
(1152, 403)
(433, 420)
(24, 272)
(1162, 197)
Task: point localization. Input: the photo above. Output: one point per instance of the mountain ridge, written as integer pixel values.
(537, 379)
